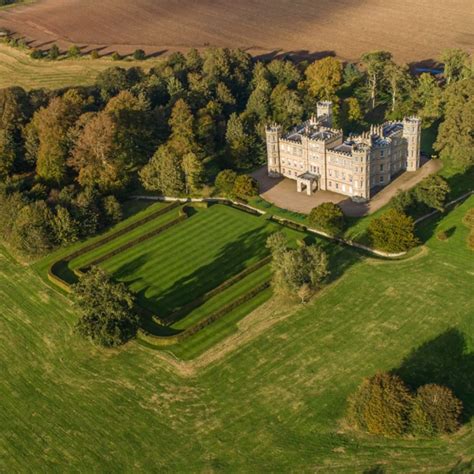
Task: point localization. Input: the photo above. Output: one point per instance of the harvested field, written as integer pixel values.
(413, 31)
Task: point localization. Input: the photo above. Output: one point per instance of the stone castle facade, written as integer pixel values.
(318, 156)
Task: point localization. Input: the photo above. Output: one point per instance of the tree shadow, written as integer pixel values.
(445, 361)
(293, 55)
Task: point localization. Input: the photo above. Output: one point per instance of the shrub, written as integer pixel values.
(381, 405)
(112, 210)
(225, 181)
(435, 411)
(433, 191)
(403, 201)
(139, 55)
(442, 235)
(328, 217)
(468, 219)
(245, 186)
(107, 309)
(74, 51)
(36, 54)
(116, 56)
(94, 54)
(393, 231)
(53, 52)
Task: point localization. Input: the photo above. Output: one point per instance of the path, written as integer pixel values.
(282, 192)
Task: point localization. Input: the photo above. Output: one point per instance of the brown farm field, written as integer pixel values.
(413, 30)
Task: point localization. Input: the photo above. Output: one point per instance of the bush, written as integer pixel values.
(53, 52)
(442, 235)
(94, 54)
(74, 51)
(139, 55)
(225, 181)
(393, 231)
(468, 219)
(381, 405)
(116, 56)
(107, 309)
(245, 186)
(435, 411)
(36, 54)
(433, 191)
(112, 210)
(327, 217)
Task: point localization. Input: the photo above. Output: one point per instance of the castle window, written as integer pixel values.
(381, 167)
(330, 184)
(381, 179)
(381, 153)
(337, 186)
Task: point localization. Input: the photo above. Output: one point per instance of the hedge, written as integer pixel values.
(183, 310)
(290, 224)
(175, 339)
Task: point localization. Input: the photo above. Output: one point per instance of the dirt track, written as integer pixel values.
(412, 30)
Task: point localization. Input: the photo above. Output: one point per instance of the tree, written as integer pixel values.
(164, 173)
(323, 78)
(245, 186)
(393, 231)
(112, 210)
(283, 72)
(106, 307)
(456, 64)
(455, 139)
(49, 134)
(74, 51)
(435, 411)
(404, 201)
(10, 206)
(375, 63)
(381, 405)
(36, 54)
(328, 217)
(181, 122)
(239, 142)
(66, 228)
(193, 172)
(351, 112)
(225, 181)
(399, 84)
(32, 231)
(87, 211)
(433, 191)
(427, 99)
(116, 56)
(95, 54)
(54, 52)
(286, 106)
(296, 271)
(139, 55)
(94, 156)
(7, 152)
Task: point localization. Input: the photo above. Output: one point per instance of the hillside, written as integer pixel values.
(413, 31)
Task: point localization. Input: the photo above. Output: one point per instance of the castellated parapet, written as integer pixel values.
(318, 156)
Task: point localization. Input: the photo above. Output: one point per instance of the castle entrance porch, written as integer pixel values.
(307, 181)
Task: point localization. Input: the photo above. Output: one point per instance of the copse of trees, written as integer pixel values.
(296, 272)
(384, 405)
(106, 308)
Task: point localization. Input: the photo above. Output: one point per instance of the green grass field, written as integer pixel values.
(272, 400)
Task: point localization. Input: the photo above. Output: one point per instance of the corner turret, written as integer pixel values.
(412, 134)
(273, 134)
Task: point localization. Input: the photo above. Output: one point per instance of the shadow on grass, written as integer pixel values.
(445, 361)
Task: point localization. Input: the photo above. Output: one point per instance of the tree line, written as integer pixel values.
(69, 157)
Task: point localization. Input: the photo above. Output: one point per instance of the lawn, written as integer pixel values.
(272, 402)
(175, 272)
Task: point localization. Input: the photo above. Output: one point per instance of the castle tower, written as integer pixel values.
(412, 133)
(324, 112)
(273, 133)
(361, 177)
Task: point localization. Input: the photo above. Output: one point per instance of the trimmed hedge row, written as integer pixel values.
(290, 224)
(175, 339)
(136, 241)
(183, 310)
(52, 273)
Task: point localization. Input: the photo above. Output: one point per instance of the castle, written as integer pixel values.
(317, 156)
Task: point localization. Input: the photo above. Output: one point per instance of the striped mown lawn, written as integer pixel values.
(191, 258)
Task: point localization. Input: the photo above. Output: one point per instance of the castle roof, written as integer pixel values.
(312, 130)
